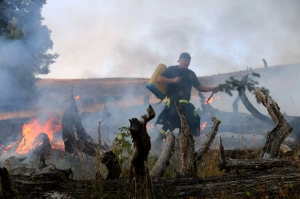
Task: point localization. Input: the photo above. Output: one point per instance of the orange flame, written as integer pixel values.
(149, 126)
(218, 97)
(58, 145)
(32, 130)
(77, 97)
(9, 147)
(203, 126)
(209, 101)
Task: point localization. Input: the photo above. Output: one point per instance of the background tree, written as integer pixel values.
(24, 50)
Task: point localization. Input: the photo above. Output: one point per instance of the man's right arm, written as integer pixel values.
(165, 80)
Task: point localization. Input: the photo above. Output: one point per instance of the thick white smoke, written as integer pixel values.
(128, 39)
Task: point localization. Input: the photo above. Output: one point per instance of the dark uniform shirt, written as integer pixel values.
(181, 90)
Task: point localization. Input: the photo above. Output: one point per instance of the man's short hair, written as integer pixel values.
(184, 55)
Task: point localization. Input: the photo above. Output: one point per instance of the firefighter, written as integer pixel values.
(180, 80)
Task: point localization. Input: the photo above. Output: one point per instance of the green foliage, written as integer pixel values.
(25, 44)
(122, 147)
(246, 83)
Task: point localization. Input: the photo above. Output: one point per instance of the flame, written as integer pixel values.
(32, 130)
(9, 147)
(60, 145)
(149, 126)
(209, 101)
(218, 97)
(77, 97)
(203, 126)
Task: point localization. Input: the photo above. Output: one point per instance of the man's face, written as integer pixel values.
(184, 63)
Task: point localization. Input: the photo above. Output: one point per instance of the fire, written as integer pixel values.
(58, 145)
(212, 99)
(209, 101)
(149, 126)
(77, 97)
(32, 130)
(203, 126)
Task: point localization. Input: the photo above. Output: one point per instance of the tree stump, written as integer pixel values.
(138, 173)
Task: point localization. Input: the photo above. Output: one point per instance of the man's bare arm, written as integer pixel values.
(203, 88)
(165, 80)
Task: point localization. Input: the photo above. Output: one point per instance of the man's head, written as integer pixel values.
(184, 60)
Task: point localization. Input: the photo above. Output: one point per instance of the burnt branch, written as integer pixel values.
(165, 156)
(211, 136)
(281, 130)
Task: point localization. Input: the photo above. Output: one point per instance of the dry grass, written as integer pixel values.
(209, 165)
(18, 114)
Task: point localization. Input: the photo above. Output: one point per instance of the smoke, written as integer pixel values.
(119, 39)
(24, 43)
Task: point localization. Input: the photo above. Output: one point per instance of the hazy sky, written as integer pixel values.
(97, 38)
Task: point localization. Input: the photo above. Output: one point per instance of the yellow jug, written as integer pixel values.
(159, 90)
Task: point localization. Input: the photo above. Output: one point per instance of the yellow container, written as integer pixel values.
(159, 90)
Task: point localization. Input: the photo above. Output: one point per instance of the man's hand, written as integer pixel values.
(177, 80)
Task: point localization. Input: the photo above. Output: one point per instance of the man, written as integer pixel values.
(180, 80)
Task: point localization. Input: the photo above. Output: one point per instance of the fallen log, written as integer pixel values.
(253, 184)
(165, 156)
(249, 164)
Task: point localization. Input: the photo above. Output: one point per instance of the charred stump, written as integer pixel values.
(187, 149)
(279, 133)
(165, 156)
(73, 134)
(138, 173)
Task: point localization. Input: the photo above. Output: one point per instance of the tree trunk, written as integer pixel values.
(138, 173)
(251, 108)
(279, 133)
